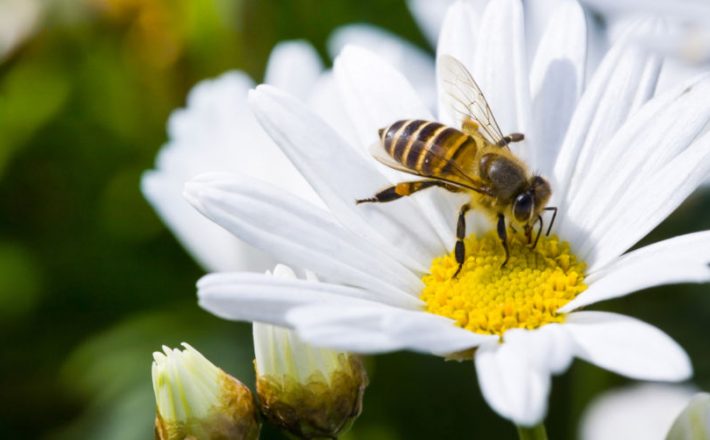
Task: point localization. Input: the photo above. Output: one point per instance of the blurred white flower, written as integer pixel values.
(619, 165)
(634, 412)
(685, 37)
(18, 20)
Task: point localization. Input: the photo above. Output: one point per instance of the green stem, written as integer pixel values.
(537, 432)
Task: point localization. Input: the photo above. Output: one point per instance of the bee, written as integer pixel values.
(473, 158)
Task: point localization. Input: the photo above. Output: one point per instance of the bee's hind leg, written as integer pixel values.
(460, 248)
(502, 234)
(404, 189)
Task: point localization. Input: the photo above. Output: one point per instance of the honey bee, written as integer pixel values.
(473, 159)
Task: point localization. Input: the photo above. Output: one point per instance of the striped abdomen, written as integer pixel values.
(428, 147)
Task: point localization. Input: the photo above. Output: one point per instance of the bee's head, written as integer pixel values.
(529, 203)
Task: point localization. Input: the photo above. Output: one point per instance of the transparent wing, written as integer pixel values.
(455, 176)
(465, 100)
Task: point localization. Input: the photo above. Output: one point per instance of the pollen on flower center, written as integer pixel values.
(486, 298)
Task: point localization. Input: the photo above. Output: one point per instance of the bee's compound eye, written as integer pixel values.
(523, 207)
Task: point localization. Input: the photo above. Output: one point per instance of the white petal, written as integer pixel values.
(511, 384)
(376, 95)
(293, 66)
(538, 15)
(208, 104)
(624, 81)
(340, 176)
(413, 62)
(459, 35)
(213, 247)
(298, 233)
(326, 102)
(501, 70)
(556, 82)
(348, 328)
(458, 38)
(680, 259)
(429, 14)
(653, 138)
(653, 202)
(627, 346)
(236, 283)
(549, 348)
(264, 298)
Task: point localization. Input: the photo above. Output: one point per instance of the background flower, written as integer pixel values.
(641, 411)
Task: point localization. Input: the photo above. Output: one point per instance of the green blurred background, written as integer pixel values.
(91, 282)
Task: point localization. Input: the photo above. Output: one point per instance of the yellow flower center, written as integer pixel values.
(486, 298)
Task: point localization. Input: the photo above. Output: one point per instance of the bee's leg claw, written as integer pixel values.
(386, 195)
(503, 238)
(539, 231)
(458, 270)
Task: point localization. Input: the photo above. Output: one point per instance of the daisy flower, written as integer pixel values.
(619, 160)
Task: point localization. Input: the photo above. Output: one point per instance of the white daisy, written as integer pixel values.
(620, 162)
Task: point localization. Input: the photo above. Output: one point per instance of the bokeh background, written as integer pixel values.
(91, 282)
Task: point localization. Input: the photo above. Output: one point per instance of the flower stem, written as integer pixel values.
(537, 432)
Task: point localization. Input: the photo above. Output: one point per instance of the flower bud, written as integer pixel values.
(694, 421)
(309, 392)
(197, 400)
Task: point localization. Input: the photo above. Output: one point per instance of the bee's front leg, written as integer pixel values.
(512, 137)
(460, 248)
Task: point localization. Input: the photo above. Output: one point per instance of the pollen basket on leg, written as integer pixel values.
(526, 293)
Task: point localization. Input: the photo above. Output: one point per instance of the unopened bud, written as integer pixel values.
(309, 392)
(694, 421)
(197, 400)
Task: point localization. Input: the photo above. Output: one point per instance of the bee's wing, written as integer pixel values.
(464, 99)
(455, 176)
